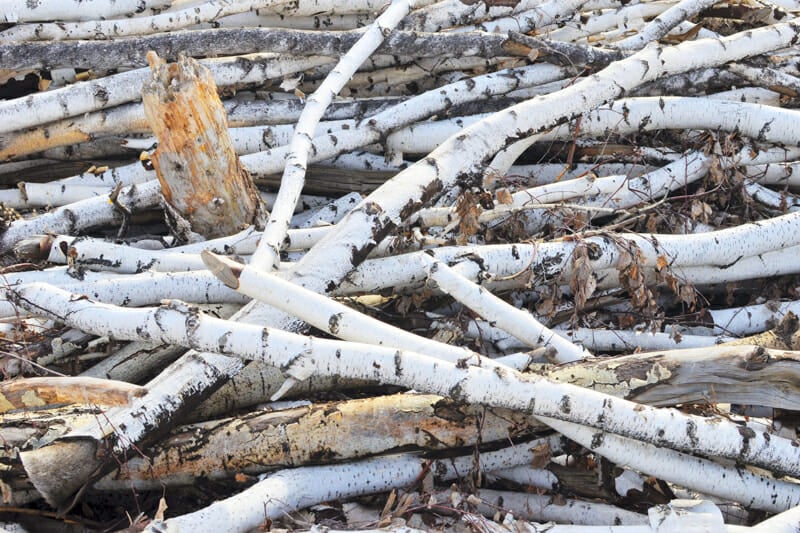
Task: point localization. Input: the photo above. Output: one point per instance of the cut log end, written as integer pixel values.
(78, 460)
(223, 268)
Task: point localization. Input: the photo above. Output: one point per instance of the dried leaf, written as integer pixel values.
(504, 197)
(541, 456)
(583, 282)
(468, 212)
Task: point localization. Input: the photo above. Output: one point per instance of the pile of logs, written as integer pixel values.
(485, 265)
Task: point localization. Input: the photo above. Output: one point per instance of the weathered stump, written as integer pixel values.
(207, 190)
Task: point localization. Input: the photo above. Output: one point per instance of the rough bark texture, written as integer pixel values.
(200, 174)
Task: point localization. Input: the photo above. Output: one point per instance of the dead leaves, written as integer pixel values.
(583, 282)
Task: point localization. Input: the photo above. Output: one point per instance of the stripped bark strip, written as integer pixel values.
(36, 393)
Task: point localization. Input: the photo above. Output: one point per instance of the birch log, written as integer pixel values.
(302, 357)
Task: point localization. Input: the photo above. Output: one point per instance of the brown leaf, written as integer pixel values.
(541, 456)
(504, 197)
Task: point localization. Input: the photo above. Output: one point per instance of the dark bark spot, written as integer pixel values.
(691, 432)
(333, 323)
(565, 405)
(101, 95)
(597, 440)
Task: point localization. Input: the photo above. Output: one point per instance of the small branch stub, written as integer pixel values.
(201, 177)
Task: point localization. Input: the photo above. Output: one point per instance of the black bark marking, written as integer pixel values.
(333, 323)
(565, 405)
(398, 364)
(691, 432)
(597, 440)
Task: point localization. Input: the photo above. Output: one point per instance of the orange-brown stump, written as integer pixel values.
(201, 177)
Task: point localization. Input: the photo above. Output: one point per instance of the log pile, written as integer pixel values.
(523, 265)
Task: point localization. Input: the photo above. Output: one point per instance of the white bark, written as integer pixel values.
(709, 477)
(626, 17)
(751, 319)
(385, 208)
(26, 11)
(109, 29)
(519, 323)
(630, 115)
(544, 14)
(544, 508)
(302, 356)
(785, 522)
(267, 255)
(408, 112)
(126, 87)
(663, 23)
(716, 251)
(295, 489)
(72, 218)
(598, 340)
(326, 314)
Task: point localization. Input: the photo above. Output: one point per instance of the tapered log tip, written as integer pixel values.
(227, 271)
(62, 469)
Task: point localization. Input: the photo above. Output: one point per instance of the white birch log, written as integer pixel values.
(728, 482)
(410, 111)
(552, 260)
(122, 427)
(627, 17)
(397, 199)
(172, 20)
(74, 217)
(302, 356)
(267, 254)
(662, 24)
(290, 490)
(129, 119)
(639, 114)
(24, 11)
(517, 322)
(784, 522)
(598, 340)
(775, 263)
(126, 87)
(325, 314)
(544, 14)
(751, 318)
(544, 508)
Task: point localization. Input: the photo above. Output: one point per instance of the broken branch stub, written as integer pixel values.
(206, 188)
